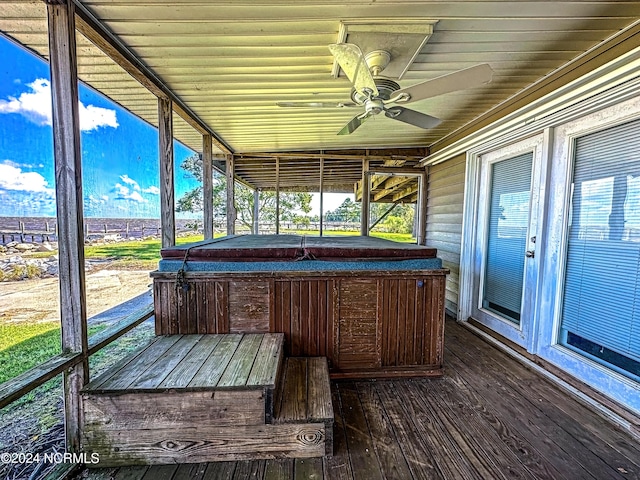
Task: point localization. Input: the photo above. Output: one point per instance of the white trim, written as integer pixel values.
(615, 385)
(601, 99)
(519, 333)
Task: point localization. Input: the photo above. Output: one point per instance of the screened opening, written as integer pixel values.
(601, 309)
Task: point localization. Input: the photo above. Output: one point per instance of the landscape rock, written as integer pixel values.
(24, 247)
(11, 244)
(45, 247)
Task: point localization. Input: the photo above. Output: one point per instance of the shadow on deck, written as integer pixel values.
(488, 418)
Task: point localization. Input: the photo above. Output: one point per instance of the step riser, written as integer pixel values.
(196, 444)
(157, 410)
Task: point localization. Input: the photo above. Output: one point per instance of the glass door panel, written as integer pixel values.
(507, 230)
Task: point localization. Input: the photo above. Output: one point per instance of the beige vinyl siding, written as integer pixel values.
(444, 220)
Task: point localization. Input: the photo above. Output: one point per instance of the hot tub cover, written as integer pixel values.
(282, 253)
(251, 248)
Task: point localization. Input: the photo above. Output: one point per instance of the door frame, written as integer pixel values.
(474, 236)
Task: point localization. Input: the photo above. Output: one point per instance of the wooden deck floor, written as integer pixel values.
(487, 418)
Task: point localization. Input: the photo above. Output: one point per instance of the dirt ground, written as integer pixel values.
(39, 299)
(35, 425)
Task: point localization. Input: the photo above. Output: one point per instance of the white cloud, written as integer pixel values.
(130, 181)
(13, 178)
(125, 193)
(35, 105)
(153, 190)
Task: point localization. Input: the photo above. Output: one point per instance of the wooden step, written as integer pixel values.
(304, 395)
(203, 398)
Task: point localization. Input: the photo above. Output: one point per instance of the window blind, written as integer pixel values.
(507, 235)
(602, 278)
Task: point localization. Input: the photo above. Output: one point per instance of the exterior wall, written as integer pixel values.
(444, 220)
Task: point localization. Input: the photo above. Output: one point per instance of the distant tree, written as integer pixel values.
(293, 206)
(348, 211)
(399, 220)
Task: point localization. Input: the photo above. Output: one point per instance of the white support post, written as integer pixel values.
(421, 208)
(366, 195)
(321, 193)
(68, 174)
(167, 190)
(207, 186)
(277, 196)
(231, 196)
(256, 212)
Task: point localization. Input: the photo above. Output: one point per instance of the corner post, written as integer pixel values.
(70, 224)
(421, 207)
(167, 190)
(207, 186)
(256, 212)
(366, 196)
(277, 195)
(231, 196)
(321, 193)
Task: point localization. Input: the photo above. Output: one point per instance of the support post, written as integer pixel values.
(231, 196)
(366, 188)
(70, 225)
(421, 208)
(321, 193)
(167, 190)
(207, 186)
(256, 212)
(277, 195)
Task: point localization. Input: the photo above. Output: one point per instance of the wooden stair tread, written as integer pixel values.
(197, 362)
(304, 394)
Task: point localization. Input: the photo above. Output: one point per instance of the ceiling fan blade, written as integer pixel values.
(316, 104)
(353, 124)
(353, 64)
(460, 80)
(412, 117)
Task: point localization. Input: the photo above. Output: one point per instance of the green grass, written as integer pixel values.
(26, 344)
(142, 255)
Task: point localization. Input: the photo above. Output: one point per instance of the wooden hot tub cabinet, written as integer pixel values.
(372, 323)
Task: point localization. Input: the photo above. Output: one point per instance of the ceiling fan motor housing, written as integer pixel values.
(385, 87)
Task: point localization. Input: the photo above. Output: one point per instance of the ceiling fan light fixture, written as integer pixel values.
(377, 61)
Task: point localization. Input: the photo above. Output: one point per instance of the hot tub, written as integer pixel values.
(373, 307)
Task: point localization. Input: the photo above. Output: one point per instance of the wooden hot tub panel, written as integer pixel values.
(366, 323)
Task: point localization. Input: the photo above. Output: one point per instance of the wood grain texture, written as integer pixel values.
(164, 364)
(167, 181)
(267, 361)
(184, 371)
(159, 410)
(249, 306)
(196, 445)
(362, 323)
(214, 366)
(500, 416)
(69, 204)
(237, 372)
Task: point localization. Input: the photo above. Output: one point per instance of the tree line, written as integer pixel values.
(295, 207)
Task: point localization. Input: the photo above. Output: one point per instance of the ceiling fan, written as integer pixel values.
(379, 94)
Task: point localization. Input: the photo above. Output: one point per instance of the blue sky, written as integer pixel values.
(119, 151)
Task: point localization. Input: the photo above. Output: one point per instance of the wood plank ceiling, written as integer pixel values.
(229, 62)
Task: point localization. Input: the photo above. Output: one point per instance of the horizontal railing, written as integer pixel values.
(19, 386)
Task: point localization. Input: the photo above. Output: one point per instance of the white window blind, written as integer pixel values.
(601, 307)
(507, 235)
